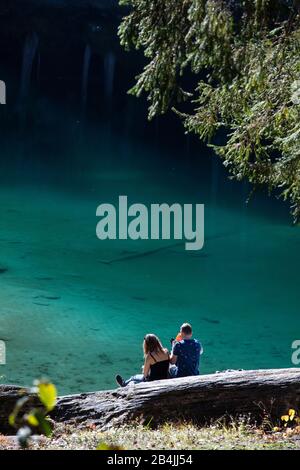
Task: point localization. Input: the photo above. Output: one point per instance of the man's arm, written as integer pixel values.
(174, 353)
(173, 359)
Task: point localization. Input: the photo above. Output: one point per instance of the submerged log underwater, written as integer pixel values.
(201, 399)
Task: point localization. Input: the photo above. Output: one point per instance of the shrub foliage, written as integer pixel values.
(246, 57)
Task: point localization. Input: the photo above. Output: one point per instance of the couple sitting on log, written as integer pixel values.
(160, 364)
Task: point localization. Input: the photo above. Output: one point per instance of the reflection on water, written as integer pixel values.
(85, 75)
(29, 53)
(68, 313)
(109, 67)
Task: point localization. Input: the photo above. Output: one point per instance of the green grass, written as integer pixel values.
(168, 437)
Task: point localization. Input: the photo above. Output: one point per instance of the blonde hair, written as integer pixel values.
(152, 344)
(186, 329)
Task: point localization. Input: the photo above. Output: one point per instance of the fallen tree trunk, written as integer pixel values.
(203, 398)
(9, 395)
(194, 398)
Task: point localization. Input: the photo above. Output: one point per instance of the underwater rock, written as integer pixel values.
(200, 255)
(141, 254)
(104, 358)
(210, 320)
(47, 297)
(3, 270)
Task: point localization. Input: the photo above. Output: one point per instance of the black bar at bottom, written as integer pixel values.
(134, 459)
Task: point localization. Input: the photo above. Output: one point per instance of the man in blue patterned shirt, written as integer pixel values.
(186, 354)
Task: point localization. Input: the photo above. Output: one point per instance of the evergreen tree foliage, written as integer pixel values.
(246, 57)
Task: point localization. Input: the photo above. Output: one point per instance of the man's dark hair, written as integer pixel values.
(186, 329)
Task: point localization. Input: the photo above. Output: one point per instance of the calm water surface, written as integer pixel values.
(66, 314)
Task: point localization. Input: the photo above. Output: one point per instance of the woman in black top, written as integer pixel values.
(156, 365)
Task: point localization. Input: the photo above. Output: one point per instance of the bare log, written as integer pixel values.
(200, 399)
(9, 395)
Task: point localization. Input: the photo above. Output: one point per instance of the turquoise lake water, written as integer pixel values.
(68, 315)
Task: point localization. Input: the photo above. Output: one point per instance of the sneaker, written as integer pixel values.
(120, 381)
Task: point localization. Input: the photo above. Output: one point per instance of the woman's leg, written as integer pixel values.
(136, 379)
(173, 371)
